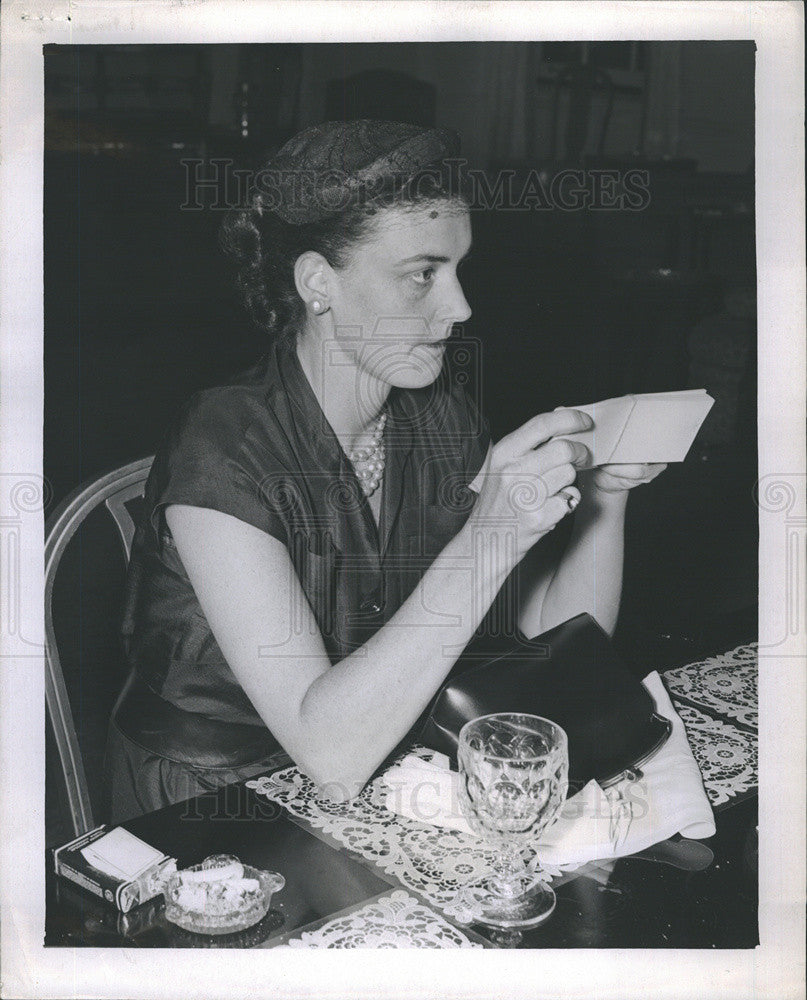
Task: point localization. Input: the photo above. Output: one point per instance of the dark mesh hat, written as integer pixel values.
(320, 171)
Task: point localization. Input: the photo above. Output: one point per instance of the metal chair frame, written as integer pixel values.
(113, 489)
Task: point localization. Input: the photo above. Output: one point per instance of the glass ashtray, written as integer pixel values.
(219, 896)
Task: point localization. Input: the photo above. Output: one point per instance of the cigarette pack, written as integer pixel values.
(120, 891)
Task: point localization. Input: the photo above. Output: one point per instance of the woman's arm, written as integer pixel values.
(587, 574)
(336, 722)
(339, 722)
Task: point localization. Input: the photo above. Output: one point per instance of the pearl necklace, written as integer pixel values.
(368, 462)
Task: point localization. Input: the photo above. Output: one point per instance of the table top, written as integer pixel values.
(346, 888)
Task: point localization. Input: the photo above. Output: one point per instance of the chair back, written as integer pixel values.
(79, 694)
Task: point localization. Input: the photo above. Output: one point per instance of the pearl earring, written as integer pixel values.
(316, 305)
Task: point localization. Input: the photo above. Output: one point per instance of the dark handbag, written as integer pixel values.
(571, 675)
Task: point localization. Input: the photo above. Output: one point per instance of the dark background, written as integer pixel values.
(569, 307)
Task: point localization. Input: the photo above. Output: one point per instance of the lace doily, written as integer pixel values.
(726, 756)
(726, 684)
(394, 921)
(438, 867)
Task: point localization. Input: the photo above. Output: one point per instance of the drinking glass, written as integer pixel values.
(514, 775)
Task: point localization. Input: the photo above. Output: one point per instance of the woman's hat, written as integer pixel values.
(320, 171)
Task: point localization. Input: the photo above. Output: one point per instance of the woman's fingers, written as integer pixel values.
(561, 505)
(562, 452)
(537, 498)
(530, 482)
(532, 492)
(634, 471)
(531, 476)
(616, 478)
(554, 478)
(544, 426)
(571, 497)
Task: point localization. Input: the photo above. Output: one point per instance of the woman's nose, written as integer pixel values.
(457, 305)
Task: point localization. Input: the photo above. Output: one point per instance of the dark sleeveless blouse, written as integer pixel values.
(261, 449)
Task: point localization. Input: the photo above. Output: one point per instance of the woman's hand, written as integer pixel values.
(528, 478)
(587, 575)
(615, 479)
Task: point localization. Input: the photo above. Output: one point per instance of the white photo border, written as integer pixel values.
(775, 969)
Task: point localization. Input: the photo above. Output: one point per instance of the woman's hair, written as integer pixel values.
(266, 247)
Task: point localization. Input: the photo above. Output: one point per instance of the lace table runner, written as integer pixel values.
(397, 920)
(725, 684)
(438, 868)
(710, 696)
(726, 755)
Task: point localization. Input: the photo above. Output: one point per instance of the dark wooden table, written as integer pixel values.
(633, 902)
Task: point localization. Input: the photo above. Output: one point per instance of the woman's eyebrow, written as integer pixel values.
(432, 258)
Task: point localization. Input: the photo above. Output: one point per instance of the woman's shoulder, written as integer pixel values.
(218, 453)
(223, 412)
(233, 398)
(225, 421)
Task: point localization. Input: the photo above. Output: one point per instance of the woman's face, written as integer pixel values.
(396, 300)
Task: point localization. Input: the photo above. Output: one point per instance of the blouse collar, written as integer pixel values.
(316, 439)
(318, 433)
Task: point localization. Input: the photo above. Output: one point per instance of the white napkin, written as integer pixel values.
(594, 824)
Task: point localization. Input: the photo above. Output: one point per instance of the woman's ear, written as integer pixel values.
(311, 277)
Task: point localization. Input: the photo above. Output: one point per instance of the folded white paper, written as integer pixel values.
(650, 427)
(594, 824)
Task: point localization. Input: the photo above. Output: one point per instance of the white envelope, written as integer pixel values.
(649, 427)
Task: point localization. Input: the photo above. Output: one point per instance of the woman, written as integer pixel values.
(325, 534)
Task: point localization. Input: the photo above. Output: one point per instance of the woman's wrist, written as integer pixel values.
(490, 548)
(602, 502)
